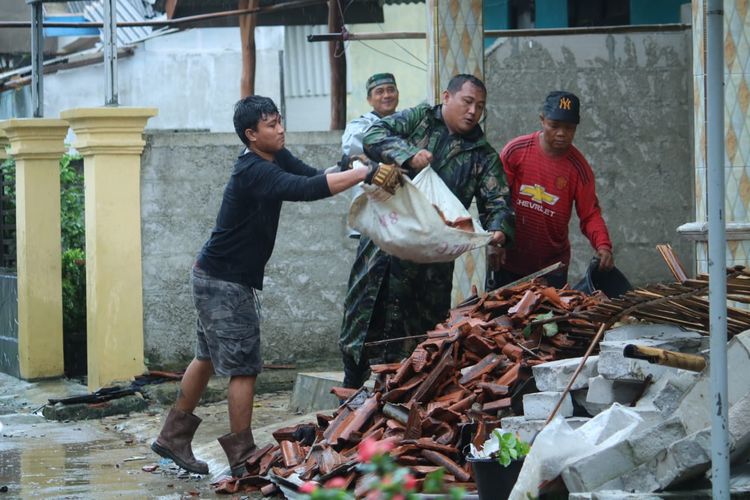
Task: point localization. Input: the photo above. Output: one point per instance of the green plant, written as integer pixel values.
(72, 236)
(72, 227)
(74, 290)
(382, 478)
(8, 170)
(73, 242)
(504, 446)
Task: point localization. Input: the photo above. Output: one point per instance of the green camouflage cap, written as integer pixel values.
(380, 79)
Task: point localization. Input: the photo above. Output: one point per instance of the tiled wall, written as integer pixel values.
(736, 124)
(454, 47)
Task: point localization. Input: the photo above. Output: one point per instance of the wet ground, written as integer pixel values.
(106, 458)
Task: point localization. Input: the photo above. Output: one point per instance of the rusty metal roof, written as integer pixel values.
(356, 11)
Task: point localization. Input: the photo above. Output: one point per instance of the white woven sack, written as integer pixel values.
(406, 224)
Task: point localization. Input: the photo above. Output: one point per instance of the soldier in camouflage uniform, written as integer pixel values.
(391, 298)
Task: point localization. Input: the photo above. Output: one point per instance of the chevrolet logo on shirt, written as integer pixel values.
(538, 194)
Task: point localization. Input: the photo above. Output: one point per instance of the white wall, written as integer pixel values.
(406, 59)
(192, 76)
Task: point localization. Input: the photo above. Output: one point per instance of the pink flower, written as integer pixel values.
(308, 487)
(398, 496)
(336, 482)
(410, 482)
(367, 449)
(385, 446)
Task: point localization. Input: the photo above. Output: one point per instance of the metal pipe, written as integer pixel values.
(327, 37)
(585, 30)
(394, 35)
(37, 61)
(717, 277)
(673, 359)
(110, 53)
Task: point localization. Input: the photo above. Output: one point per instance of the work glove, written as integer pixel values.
(345, 163)
(387, 177)
(305, 434)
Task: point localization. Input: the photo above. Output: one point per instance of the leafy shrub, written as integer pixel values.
(504, 446)
(73, 240)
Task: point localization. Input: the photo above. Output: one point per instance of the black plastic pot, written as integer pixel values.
(494, 482)
(612, 283)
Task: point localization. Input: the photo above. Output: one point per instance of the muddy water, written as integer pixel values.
(105, 458)
(40, 459)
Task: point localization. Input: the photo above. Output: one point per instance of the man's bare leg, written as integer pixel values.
(176, 436)
(193, 384)
(240, 397)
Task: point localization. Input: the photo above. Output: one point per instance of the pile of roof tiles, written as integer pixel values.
(450, 392)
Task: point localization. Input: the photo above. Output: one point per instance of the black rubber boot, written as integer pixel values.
(175, 438)
(238, 448)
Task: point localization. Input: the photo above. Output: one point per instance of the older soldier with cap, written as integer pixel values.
(382, 96)
(389, 298)
(547, 175)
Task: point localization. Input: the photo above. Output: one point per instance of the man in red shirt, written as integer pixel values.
(546, 175)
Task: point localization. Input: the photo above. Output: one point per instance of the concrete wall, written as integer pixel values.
(192, 76)
(183, 177)
(407, 59)
(635, 131)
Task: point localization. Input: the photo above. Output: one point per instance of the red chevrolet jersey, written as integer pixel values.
(543, 189)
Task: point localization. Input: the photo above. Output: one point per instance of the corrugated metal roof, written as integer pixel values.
(355, 11)
(127, 10)
(306, 69)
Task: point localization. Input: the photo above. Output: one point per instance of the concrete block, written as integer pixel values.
(623, 495)
(312, 391)
(613, 365)
(592, 409)
(650, 415)
(694, 408)
(669, 390)
(739, 424)
(525, 429)
(612, 494)
(650, 442)
(591, 471)
(685, 459)
(555, 375)
(640, 479)
(691, 455)
(84, 411)
(605, 391)
(539, 405)
(631, 333)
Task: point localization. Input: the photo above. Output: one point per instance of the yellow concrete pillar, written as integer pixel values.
(37, 145)
(3, 144)
(111, 142)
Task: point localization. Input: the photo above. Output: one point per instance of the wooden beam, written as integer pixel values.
(247, 34)
(337, 57)
(169, 8)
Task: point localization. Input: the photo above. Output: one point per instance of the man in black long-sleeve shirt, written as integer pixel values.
(228, 271)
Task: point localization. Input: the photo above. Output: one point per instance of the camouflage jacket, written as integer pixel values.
(391, 298)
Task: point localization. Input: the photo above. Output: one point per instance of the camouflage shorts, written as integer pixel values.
(228, 325)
